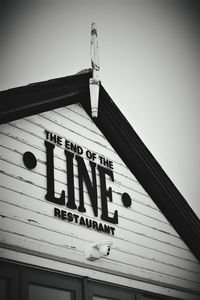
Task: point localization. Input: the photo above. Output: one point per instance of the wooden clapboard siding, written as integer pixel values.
(42, 220)
(43, 123)
(15, 132)
(31, 204)
(145, 244)
(139, 227)
(137, 236)
(14, 157)
(55, 239)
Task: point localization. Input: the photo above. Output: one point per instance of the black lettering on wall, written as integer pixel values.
(50, 196)
(106, 193)
(70, 180)
(56, 212)
(83, 176)
(82, 221)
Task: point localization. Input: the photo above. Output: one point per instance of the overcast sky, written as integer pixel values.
(149, 59)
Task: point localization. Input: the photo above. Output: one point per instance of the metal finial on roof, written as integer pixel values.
(94, 48)
(94, 81)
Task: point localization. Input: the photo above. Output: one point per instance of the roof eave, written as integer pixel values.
(39, 97)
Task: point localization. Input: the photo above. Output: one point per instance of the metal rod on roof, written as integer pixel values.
(94, 82)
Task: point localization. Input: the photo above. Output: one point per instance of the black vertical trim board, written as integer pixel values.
(11, 275)
(28, 100)
(85, 288)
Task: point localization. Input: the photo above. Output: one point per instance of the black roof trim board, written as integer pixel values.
(28, 100)
(42, 96)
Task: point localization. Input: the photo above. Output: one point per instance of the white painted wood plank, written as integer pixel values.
(16, 158)
(134, 238)
(79, 119)
(60, 162)
(15, 134)
(42, 247)
(46, 208)
(39, 143)
(64, 117)
(41, 244)
(72, 233)
(78, 109)
(38, 212)
(29, 180)
(39, 124)
(138, 198)
(152, 232)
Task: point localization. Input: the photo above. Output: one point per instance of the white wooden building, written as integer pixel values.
(86, 212)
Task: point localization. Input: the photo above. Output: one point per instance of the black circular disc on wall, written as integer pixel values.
(126, 199)
(29, 160)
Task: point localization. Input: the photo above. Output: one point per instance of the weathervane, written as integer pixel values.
(94, 81)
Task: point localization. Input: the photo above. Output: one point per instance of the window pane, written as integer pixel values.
(37, 292)
(3, 288)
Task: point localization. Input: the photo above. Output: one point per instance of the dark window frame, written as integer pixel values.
(20, 276)
(11, 275)
(51, 280)
(107, 290)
